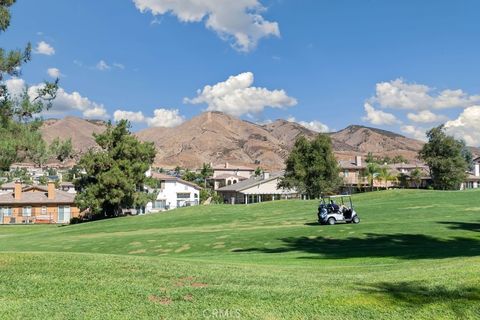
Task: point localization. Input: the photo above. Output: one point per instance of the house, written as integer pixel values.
(67, 187)
(227, 174)
(173, 193)
(256, 189)
(473, 178)
(9, 187)
(37, 204)
(351, 172)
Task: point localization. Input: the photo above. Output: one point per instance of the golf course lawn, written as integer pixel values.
(415, 255)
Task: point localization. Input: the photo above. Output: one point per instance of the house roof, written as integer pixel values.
(350, 165)
(165, 177)
(472, 177)
(226, 176)
(39, 197)
(230, 167)
(11, 185)
(253, 181)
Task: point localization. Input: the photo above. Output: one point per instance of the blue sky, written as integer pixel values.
(400, 65)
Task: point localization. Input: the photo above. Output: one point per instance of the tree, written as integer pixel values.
(416, 177)
(258, 172)
(443, 155)
(206, 172)
(385, 175)
(311, 167)
(370, 173)
(19, 126)
(115, 175)
(61, 150)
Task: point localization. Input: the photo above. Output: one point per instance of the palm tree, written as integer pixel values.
(385, 175)
(416, 177)
(370, 173)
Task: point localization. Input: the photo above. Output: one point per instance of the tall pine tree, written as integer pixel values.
(446, 158)
(311, 167)
(115, 175)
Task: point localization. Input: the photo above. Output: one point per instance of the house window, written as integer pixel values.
(159, 204)
(27, 211)
(63, 213)
(345, 173)
(183, 195)
(44, 210)
(6, 211)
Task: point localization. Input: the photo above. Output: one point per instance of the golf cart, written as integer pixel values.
(335, 209)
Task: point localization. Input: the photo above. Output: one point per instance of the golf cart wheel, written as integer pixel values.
(331, 221)
(356, 219)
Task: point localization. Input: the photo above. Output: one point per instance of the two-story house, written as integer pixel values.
(228, 174)
(37, 204)
(173, 193)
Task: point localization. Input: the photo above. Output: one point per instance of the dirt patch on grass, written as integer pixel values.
(135, 243)
(137, 251)
(160, 300)
(473, 209)
(185, 247)
(219, 245)
(188, 298)
(199, 285)
(163, 250)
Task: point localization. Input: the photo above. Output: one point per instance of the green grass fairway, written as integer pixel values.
(415, 255)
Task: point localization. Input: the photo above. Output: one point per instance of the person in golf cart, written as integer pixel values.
(333, 206)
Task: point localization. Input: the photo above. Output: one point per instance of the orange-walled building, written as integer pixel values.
(37, 204)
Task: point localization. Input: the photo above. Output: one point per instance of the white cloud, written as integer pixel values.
(426, 116)
(103, 66)
(398, 94)
(118, 65)
(378, 117)
(414, 132)
(161, 117)
(466, 126)
(44, 48)
(237, 97)
(239, 20)
(128, 115)
(64, 101)
(314, 125)
(15, 86)
(54, 72)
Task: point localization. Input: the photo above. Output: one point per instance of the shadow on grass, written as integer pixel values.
(415, 294)
(467, 226)
(402, 246)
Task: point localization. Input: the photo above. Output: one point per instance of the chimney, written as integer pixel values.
(358, 161)
(266, 175)
(18, 190)
(477, 169)
(51, 190)
(226, 165)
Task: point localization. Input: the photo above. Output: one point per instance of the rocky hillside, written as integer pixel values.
(216, 137)
(77, 129)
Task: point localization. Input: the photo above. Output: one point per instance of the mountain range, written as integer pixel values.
(215, 137)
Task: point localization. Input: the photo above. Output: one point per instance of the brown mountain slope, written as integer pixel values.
(379, 142)
(215, 137)
(77, 129)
